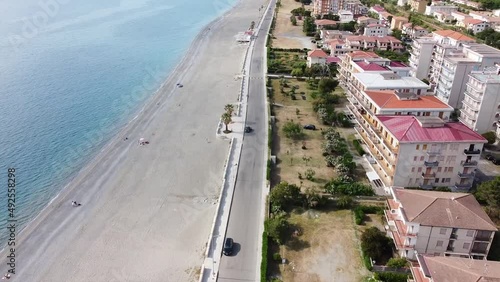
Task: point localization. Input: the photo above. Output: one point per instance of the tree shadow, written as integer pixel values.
(295, 243)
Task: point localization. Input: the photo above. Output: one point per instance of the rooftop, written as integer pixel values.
(325, 22)
(481, 49)
(395, 64)
(408, 129)
(318, 53)
(443, 268)
(444, 209)
(472, 21)
(375, 25)
(362, 54)
(453, 35)
(389, 100)
(378, 8)
(388, 81)
(331, 60)
(486, 76)
(370, 66)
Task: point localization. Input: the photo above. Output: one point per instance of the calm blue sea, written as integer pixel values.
(72, 73)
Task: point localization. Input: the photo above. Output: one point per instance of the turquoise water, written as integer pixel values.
(72, 73)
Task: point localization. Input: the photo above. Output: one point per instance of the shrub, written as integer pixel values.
(268, 171)
(367, 262)
(284, 195)
(359, 215)
(339, 187)
(358, 147)
(391, 277)
(277, 228)
(293, 130)
(397, 262)
(490, 136)
(344, 202)
(310, 174)
(277, 257)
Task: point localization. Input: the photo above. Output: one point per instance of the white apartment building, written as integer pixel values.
(481, 105)
(441, 8)
(438, 223)
(346, 16)
(421, 57)
(322, 7)
(376, 30)
(475, 25)
(452, 75)
(414, 31)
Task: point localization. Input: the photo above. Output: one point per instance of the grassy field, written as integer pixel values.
(284, 61)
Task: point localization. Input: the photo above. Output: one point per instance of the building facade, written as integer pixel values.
(438, 223)
(481, 106)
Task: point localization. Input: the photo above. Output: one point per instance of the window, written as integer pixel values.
(415, 158)
(446, 180)
(442, 180)
(410, 181)
(442, 231)
(418, 147)
(413, 169)
(454, 147)
(439, 169)
(424, 147)
(470, 233)
(439, 243)
(436, 180)
(466, 246)
(441, 158)
(419, 169)
(422, 158)
(450, 169)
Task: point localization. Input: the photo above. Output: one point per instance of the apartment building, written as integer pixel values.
(451, 76)
(440, 7)
(414, 31)
(355, 6)
(398, 22)
(323, 7)
(472, 4)
(437, 268)
(376, 30)
(421, 56)
(460, 17)
(436, 223)
(371, 43)
(317, 56)
(366, 21)
(481, 106)
(417, 6)
(475, 25)
(346, 16)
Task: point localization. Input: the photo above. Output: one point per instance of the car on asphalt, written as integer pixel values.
(489, 157)
(248, 129)
(228, 246)
(496, 161)
(310, 127)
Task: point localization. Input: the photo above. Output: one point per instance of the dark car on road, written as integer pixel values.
(489, 157)
(248, 129)
(228, 247)
(310, 127)
(496, 161)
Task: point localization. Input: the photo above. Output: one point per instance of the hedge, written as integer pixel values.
(367, 262)
(391, 277)
(263, 264)
(358, 147)
(268, 172)
(360, 211)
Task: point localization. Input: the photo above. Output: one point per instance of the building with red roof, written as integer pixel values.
(317, 56)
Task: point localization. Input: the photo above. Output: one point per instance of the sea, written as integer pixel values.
(72, 74)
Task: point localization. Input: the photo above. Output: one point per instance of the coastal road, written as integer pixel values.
(245, 218)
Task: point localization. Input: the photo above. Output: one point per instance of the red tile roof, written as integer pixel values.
(378, 8)
(397, 65)
(442, 268)
(318, 53)
(472, 21)
(331, 60)
(325, 22)
(375, 25)
(409, 129)
(387, 99)
(454, 35)
(362, 54)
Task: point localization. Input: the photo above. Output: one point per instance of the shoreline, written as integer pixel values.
(161, 99)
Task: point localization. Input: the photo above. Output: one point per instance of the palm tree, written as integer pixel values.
(229, 108)
(226, 119)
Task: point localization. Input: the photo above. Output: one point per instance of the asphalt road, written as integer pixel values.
(245, 216)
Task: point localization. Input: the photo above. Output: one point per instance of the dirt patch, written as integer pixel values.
(328, 249)
(287, 35)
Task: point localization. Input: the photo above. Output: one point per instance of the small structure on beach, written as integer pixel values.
(244, 37)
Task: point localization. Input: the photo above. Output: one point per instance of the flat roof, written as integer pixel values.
(380, 81)
(388, 99)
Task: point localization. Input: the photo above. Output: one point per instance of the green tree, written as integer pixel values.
(293, 19)
(489, 192)
(293, 130)
(284, 195)
(226, 119)
(490, 136)
(397, 262)
(344, 202)
(297, 72)
(277, 228)
(229, 108)
(376, 245)
(327, 85)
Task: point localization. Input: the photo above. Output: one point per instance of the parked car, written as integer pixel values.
(310, 127)
(489, 157)
(496, 161)
(248, 129)
(228, 247)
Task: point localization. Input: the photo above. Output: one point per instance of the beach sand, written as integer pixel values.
(147, 210)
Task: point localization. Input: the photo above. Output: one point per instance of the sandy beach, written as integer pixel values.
(147, 210)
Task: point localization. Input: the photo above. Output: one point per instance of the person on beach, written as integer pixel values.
(75, 204)
(6, 276)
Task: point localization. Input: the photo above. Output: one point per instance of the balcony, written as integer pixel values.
(433, 152)
(482, 238)
(426, 186)
(475, 95)
(471, 116)
(472, 152)
(468, 163)
(462, 186)
(431, 164)
(471, 105)
(428, 175)
(466, 175)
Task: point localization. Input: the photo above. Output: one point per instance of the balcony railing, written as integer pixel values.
(482, 238)
(471, 105)
(466, 175)
(478, 251)
(433, 152)
(431, 164)
(462, 186)
(426, 186)
(468, 163)
(472, 152)
(428, 175)
(473, 94)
